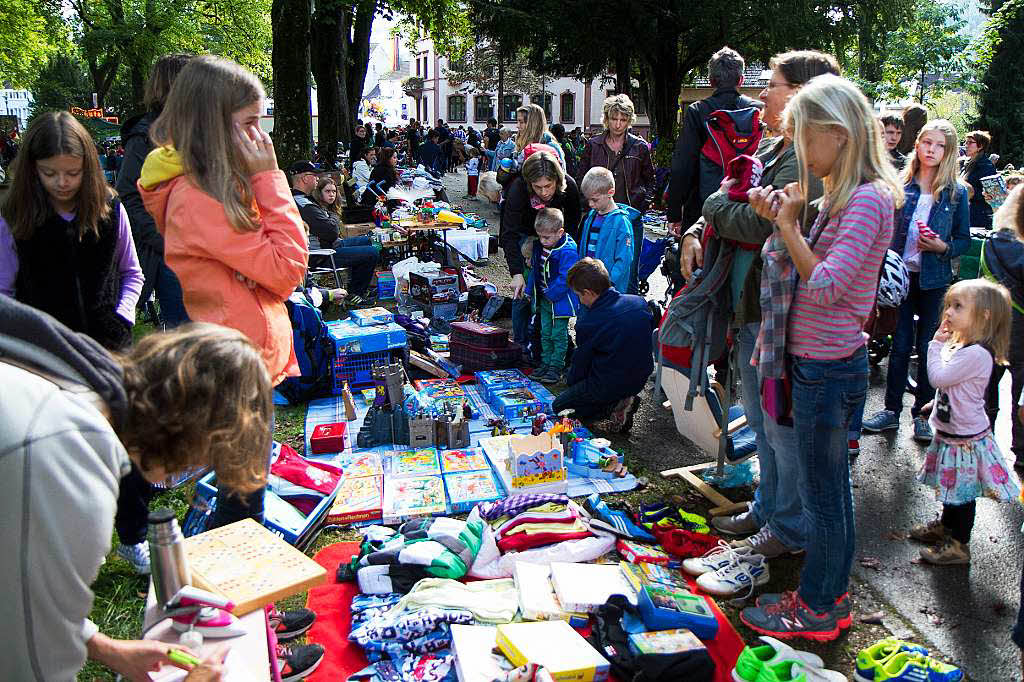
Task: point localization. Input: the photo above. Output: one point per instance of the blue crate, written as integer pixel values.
(350, 338)
(206, 490)
(356, 369)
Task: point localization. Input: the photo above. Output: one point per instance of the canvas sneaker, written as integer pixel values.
(949, 553)
(790, 617)
(871, 659)
(744, 573)
(743, 523)
(290, 624)
(753, 659)
(718, 557)
(844, 616)
(137, 556)
(765, 543)
(297, 662)
(911, 667)
(883, 420)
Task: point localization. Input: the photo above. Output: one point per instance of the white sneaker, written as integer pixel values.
(137, 556)
(718, 557)
(745, 572)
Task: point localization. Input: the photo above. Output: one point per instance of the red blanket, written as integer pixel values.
(342, 658)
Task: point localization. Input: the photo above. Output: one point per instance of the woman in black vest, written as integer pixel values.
(65, 241)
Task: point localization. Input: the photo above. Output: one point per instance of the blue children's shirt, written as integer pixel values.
(595, 233)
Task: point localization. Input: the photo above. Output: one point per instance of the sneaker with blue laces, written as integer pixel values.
(883, 420)
(137, 556)
(742, 574)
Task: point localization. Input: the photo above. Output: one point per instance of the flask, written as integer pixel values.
(167, 555)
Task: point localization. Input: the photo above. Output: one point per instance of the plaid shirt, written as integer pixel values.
(510, 506)
(778, 286)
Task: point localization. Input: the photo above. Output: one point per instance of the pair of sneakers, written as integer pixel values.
(294, 661)
(547, 374)
(887, 420)
(725, 571)
(776, 661)
(896, 659)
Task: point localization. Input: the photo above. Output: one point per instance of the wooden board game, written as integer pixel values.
(250, 565)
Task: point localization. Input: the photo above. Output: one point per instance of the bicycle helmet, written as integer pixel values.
(895, 282)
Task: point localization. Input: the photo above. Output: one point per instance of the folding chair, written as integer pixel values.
(333, 270)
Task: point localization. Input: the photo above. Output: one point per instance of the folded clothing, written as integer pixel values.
(435, 667)
(490, 601)
(397, 634)
(317, 476)
(522, 541)
(574, 526)
(444, 547)
(548, 513)
(514, 504)
(387, 578)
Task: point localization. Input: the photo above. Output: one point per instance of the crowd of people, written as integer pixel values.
(204, 218)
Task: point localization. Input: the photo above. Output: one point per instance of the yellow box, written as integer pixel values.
(554, 645)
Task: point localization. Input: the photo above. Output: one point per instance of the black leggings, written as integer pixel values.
(959, 519)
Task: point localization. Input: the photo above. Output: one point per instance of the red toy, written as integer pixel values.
(328, 438)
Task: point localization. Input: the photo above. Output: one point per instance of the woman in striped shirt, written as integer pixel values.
(836, 273)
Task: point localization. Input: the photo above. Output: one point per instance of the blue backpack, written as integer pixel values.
(314, 350)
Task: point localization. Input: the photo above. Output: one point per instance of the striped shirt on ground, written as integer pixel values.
(826, 320)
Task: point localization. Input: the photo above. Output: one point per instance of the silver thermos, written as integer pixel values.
(167, 555)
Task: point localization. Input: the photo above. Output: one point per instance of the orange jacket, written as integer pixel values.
(237, 279)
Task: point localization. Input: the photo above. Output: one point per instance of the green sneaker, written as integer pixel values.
(870, 660)
(795, 671)
(753, 658)
(908, 666)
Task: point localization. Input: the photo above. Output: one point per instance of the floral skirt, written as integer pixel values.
(963, 470)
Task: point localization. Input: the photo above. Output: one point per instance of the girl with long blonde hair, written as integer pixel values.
(533, 129)
(830, 279)
(933, 229)
(232, 232)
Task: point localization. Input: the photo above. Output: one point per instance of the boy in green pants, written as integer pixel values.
(553, 255)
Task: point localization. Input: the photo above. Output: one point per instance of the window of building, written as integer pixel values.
(567, 108)
(424, 68)
(637, 98)
(424, 115)
(457, 108)
(509, 106)
(545, 103)
(418, 66)
(483, 108)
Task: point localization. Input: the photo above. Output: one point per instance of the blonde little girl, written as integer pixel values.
(963, 461)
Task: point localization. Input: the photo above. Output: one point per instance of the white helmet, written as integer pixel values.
(895, 282)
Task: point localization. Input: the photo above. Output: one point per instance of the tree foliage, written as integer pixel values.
(1002, 88)
(63, 82)
(29, 34)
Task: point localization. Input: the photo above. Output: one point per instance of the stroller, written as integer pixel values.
(651, 253)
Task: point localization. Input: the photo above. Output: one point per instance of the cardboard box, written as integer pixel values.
(329, 438)
(356, 230)
(556, 646)
(350, 338)
(434, 288)
(371, 317)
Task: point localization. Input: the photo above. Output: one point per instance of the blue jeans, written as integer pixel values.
(489, 155)
(358, 254)
(776, 500)
(826, 393)
(926, 304)
(168, 293)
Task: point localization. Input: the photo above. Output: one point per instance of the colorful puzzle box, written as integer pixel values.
(360, 498)
(421, 462)
(405, 498)
(471, 459)
(468, 488)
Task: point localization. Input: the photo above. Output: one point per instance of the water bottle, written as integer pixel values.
(167, 555)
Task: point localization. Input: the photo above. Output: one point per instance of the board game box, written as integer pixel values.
(368, 317)
(421, 462)
(494, 379)
(470, 459)
(359, 498)
(467, 488)
(675, 641)
(405, 498)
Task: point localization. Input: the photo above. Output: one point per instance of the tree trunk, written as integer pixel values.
(501, 87)
(103, 76)
(665, 78)
(358, 59)
(326, 43)
(138, 81)
(623, 74)
(293, 126)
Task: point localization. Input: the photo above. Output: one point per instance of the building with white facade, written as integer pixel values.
(568, 101)
(390, 63)
(16, 103)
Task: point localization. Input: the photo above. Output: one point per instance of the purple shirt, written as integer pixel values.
(124, 253)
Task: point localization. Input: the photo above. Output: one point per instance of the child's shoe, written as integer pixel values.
(922, 430)
(753, 659)
(298, 662)
(290, 624)
(684, 543)
(908, 666)
(932, 532)
(872, 659)
(949, 553)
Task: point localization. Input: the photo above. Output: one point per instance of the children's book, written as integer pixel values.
(584, 587)
(468, 488)
(537, 599)
(412, 496)
(360, 498)
(660, 575)
(995, 190)
(421, 462)
(554, 645)
(676, 641)
(470, 459)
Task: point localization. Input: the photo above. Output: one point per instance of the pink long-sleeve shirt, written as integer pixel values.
(963, 376)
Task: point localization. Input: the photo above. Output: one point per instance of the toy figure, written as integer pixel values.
(500, 427)
(538, 424)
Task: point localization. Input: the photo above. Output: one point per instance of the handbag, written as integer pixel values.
(777, 398)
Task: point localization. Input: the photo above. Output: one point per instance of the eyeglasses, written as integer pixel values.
(776, 84)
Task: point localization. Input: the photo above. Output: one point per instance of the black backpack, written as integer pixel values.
(314, 351)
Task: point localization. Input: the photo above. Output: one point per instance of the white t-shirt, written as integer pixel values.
(911, 251)
(473, 166)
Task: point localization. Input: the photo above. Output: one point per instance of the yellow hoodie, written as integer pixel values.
(237, 279)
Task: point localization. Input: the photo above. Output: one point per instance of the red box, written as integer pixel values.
(329, 438)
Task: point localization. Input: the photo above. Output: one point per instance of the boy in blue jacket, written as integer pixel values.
(613, 357)
(554, 254)
(608, 229)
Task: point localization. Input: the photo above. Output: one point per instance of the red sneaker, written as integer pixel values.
(684, 543)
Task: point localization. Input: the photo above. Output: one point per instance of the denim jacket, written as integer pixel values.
(951, 222)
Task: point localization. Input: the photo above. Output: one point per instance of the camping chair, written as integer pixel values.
(320, 254)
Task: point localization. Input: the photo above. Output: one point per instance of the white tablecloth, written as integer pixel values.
(471, 242)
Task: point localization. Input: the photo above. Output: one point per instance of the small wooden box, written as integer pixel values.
(249, 565)
(356, 230)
